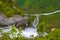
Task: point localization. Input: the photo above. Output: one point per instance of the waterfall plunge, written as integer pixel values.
(35, 23)
(30, 30)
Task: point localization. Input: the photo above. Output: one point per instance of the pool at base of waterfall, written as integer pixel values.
(27, 32)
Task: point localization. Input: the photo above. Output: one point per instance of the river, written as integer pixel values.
(31, 30)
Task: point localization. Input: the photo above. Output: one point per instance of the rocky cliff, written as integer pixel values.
(16, 19)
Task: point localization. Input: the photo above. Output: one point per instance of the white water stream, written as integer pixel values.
(32, 31)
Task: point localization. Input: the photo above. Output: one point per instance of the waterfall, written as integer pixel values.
(35, 22)
(46, 13)
(30, 30)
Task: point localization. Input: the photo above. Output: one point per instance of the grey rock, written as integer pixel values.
(16, 19)
(2, 17)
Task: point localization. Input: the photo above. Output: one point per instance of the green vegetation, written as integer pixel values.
(31, 20)
(38, 6)
(41, 27)
(53, 35)
(11, 32)
(46, 23)
(51, 20)
(11, 7)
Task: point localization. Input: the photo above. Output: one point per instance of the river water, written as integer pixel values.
(30, 30)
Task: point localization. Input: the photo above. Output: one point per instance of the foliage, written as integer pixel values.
(10, 35)
(41, 27)
(28, 6)
(5, 36)
(31, 19)
(9, 8)
(20, 29)
(53, 35)
(51, 21)
(38, 6)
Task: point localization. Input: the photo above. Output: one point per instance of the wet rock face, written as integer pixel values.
(22, 24)
(16, 19)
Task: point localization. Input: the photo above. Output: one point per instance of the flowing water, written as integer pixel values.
(28, 32)
(35, 23)
(45, 13)
(31, 30)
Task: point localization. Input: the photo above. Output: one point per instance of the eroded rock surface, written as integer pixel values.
(16, 19)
